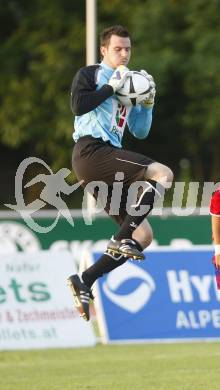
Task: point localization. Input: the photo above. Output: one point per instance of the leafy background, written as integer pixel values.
(42, 47)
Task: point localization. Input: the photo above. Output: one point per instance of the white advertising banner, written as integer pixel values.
(36, 306)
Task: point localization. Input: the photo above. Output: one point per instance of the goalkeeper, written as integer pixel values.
(100, 121)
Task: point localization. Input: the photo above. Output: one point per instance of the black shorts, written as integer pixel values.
(96, 160)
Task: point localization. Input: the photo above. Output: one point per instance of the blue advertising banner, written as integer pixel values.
(172, 295)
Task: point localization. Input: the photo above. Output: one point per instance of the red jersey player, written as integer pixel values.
(215, 215)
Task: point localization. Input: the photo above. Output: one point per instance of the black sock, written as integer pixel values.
(147, 198)
(103, 265)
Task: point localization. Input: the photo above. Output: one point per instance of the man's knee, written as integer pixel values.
(166, 177)
(159, 173)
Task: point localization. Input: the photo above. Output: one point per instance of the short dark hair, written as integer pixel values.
(118, 30)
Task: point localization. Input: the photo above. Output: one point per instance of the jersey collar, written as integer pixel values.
(107, 68)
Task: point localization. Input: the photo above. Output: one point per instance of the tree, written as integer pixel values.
(41, 51)
(43, 45)
(178, 42)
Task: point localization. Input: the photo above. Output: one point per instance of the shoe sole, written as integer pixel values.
(77, 301)
(113, 251)
(118, 252)
(132, 257)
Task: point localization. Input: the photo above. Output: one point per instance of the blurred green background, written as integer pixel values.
(43, 46)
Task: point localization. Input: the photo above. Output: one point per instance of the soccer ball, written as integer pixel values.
(135, 89)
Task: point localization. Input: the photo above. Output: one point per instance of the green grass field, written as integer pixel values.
(116, 367)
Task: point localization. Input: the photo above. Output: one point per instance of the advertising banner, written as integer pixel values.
(175, 231)
(16, 235)
(171, 295)
(36, 307)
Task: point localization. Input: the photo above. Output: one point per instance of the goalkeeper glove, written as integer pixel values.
(118, 77)
(149, 77)
(149, 101)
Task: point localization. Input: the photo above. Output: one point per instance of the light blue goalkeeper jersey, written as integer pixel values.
(108, 119)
